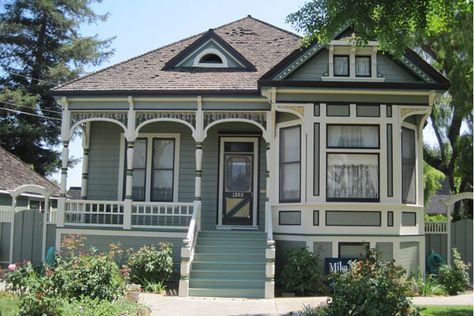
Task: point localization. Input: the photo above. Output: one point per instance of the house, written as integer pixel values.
(237, 145)
(24, 192)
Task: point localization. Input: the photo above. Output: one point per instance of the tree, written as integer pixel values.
(40, 47)
(441, 31)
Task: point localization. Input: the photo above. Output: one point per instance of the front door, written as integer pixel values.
(238, 182)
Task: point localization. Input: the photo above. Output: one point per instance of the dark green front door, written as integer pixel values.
(238, 189)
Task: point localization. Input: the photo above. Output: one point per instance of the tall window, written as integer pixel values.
(139, 169)
(163, 169)
(353, 175)
(408, 166)
(154, 169)
(290, 164)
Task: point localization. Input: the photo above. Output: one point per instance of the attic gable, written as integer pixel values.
(342, 62)
(209, 52)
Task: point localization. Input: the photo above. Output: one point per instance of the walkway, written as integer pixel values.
(197, 306)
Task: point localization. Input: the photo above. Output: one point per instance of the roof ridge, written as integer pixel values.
(26, 165)
(173, 43)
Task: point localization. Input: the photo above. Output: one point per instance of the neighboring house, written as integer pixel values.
(20, 180)
(246, 145)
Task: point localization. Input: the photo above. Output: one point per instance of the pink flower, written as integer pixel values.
(11, 267)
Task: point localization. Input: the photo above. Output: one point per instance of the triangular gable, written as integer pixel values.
(411, 63)
(212, 42)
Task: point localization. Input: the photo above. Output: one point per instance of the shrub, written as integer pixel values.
(426, 286)
(454, 278)
(371, 287)
(149, 265)
(302, 272)
(93, 275)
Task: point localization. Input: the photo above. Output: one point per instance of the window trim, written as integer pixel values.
(349, 124)
(207, 51)
(348, 65)
(328, 199)
(123, 164)
(370, 66)
(280, 164)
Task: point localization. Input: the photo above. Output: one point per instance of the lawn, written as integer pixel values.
(8, 304)
(446, 311)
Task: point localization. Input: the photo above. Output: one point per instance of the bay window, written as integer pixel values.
(408, 166)
(290, 164)
(353, 136)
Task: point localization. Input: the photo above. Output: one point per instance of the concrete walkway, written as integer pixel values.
(197, 306)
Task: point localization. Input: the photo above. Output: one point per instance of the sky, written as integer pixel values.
(143, 25)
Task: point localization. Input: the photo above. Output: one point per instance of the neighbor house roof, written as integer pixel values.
(261, 44)
(15, 173)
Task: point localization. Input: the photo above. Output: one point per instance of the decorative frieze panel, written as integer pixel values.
(83, 115)
(189, 117)
(259, 117)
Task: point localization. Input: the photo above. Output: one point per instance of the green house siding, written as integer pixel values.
(393, 72)
(314, 69)
(409, 256)
(104, 161)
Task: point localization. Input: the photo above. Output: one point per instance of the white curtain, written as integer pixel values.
(347, 136)
(352, 176)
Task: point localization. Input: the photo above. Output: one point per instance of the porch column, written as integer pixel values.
(127, 212)
(85, 160)
(12, 228)
(198, 174)
(65, 160)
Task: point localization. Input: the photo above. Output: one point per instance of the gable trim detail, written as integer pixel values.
(175, 62)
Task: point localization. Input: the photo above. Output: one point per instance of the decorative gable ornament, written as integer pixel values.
(208, 52)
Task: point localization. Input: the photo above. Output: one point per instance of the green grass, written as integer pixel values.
(8, 304)
(446, 311)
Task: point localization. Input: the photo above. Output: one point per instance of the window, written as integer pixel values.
(368, 110)
(352, 136)
(315, 218)
(210, 59)
(362, 66)
(341, 65)
(316, 160)
(408, 219)
(352, 177)
(390, 218)
(389, 161)
(163, 169)
(353, 218)
(155, 168)
(139, 169)
(290, 164)
(408, 166)
(338, 110)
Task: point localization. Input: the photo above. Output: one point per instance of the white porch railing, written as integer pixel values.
(187, 251)
(94, 213)
(436, 227)
(113, 214)
(158, 214)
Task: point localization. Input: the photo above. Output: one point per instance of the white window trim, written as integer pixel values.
(149, 137)
(207, 51)
(253, 140)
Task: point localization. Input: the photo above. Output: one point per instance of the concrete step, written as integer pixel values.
(223, 266)
(233, 234)
(229, 274)
(228, 250)
(226, 284)
(236, 258)
(215, 241)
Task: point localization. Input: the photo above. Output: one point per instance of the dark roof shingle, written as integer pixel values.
(260, 43)
(15, 173)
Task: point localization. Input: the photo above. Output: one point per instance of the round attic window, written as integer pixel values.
(210, 59)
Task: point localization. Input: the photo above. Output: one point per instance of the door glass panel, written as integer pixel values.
(241, 147)
(238, 174)
(138, 185)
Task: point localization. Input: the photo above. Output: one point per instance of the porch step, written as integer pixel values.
(229, 264)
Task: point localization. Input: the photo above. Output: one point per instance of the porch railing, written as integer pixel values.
(171, 215)
(154, 214)
(436, 227)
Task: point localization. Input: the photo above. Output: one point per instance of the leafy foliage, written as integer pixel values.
(435, 218)
(302, 273)
(432, 179)
(454, 277)
(426, 286)
(370, 287)
(40, 47)
(442, 32)
(88, 306)
(149, 265)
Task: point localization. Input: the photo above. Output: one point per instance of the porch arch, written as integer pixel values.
(235, 120)
(137, 130)
(97, 119)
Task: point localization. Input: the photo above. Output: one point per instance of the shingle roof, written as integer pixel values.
(15, 173)
(262, 44)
